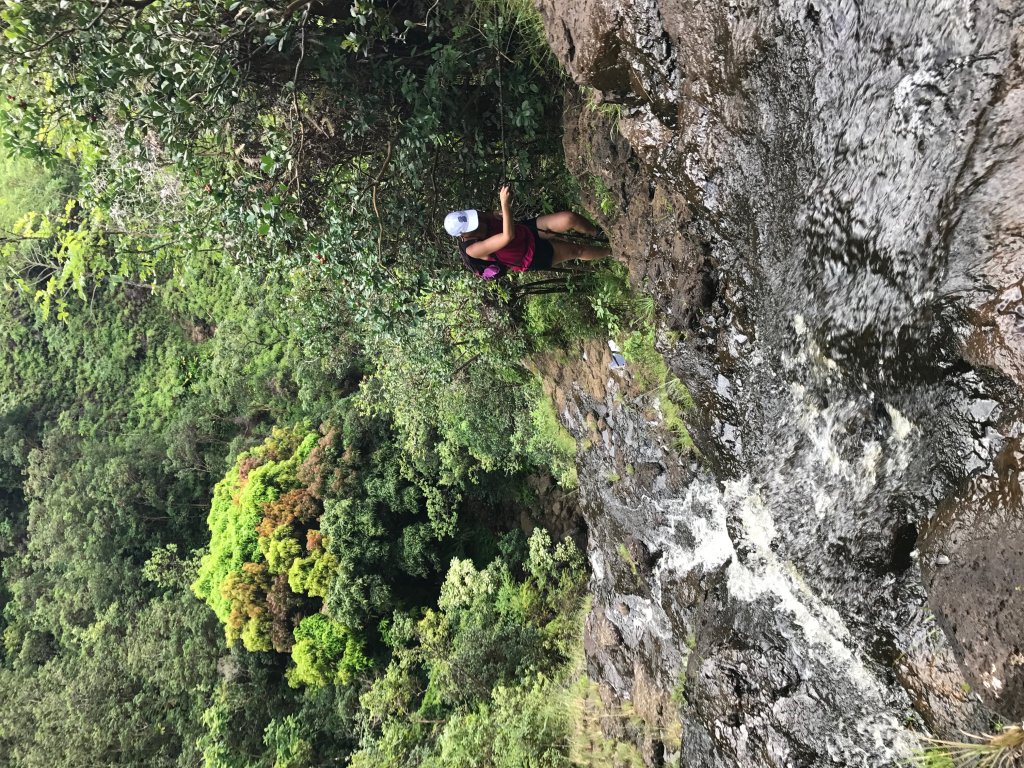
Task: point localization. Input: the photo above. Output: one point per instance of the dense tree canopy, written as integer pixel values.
(263, 447)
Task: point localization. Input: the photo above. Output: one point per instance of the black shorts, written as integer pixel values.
(543, 251)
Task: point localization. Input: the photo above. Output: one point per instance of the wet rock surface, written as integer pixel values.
(825, 201)
(974, 570)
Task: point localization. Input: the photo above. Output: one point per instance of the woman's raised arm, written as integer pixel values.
(484, 248)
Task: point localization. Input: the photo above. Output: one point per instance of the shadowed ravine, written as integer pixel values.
(827, 201)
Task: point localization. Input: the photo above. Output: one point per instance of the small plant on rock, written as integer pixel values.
(627, 557)
(605, 201)
(1004, 749)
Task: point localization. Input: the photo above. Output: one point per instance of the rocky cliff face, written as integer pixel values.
(826, 201)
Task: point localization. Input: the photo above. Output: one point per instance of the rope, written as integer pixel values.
(501, 95)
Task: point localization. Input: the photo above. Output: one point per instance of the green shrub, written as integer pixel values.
(605, 201)
(616, 305)
(288, 742)
(485, 669)
(229, 580)
(550, 445)
(520, 727)
(589, 719)
(280, 549)
(325, 654)
(523, 17)
(314, 574)
(650, 372)
(309, 517)
(558, 319)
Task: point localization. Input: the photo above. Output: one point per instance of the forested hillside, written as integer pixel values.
(266, 447)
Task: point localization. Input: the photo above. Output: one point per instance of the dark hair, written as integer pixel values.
(488, 270)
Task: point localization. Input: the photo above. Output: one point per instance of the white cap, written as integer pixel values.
(460, 222)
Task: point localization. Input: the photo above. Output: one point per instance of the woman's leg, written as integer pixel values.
(564, 221)
(567, 251)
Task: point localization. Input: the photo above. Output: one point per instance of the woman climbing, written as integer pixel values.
(491, 245)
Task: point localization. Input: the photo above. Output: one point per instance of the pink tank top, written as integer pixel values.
(517, 255)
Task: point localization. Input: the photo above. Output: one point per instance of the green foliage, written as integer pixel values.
(518, 728)
(255, 129)
(428, 708)
(252, 721)
(523, 17)
(231, 577)
(476, 677)
(254, 237)
(455, 394)
(557, 320)
(113, 422)
(649, 370)
(599, 302)
(612, 111)
(376, 536)
(605, 201)
(325, 653)
(168, 570)
(286, 738)
(281, 549)
(44, 237)
(678, 696)
(617, 306)
(934, 757)
(28, 186)
(590, 718)
(305, 516)
(153, 681)
(313, 575)
(550, 445)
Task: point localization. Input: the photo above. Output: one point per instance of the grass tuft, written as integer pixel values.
(627, 557)
(590, 718)
(610, 109)
(605, 200)
(1004, 749)
(652, 374)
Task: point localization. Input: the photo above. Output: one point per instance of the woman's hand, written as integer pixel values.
(505, 196)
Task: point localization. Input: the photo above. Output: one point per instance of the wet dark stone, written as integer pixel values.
(974, 571)
(841, 186)
(903, 545)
